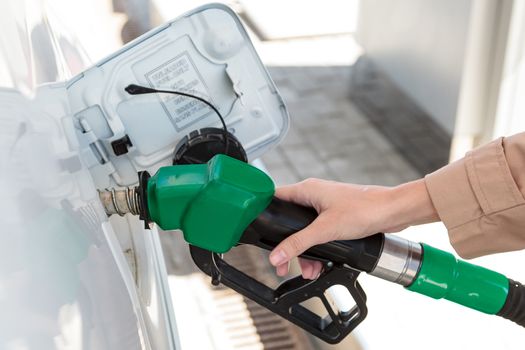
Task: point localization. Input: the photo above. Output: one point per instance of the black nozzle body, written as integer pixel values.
(282, 219)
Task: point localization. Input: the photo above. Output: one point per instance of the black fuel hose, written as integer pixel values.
(514, 307)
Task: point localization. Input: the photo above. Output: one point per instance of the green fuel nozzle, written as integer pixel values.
(226, 202)
(211, 203)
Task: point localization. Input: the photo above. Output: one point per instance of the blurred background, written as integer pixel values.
(379, 92)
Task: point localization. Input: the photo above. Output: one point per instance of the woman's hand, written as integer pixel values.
(348, 211)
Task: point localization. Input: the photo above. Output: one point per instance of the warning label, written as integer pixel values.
(180, 74)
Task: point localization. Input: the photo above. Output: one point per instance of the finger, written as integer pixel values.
(306, 268)
(297, 243)
(316, 269)
(310, 268)
(298, 193)
(282, 269)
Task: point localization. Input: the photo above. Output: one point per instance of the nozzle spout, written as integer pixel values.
(121, 202)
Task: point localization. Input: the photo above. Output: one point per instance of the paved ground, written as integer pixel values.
(411, 130)
(329, 137)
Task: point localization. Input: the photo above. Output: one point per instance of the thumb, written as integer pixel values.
(297, 243)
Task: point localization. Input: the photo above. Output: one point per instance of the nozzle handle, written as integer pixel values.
(282, 219)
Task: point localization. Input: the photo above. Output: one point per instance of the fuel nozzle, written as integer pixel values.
(212, 203)
(226, 202)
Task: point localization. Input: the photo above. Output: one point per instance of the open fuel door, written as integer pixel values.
(205, 52)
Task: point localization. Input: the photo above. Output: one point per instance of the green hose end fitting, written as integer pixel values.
(211, 203)
(443, 276)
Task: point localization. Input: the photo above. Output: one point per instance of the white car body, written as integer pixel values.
(70, 278)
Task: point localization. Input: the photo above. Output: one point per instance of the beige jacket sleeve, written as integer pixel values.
(480, 198)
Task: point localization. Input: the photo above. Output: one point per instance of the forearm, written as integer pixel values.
(410, 204)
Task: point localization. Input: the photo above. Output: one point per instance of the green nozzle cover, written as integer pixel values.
(443, 276)
(211, 203)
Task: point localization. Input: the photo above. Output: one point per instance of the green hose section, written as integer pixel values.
(442, 276)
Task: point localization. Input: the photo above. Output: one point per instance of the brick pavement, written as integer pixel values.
(329, 137)
(412, 132)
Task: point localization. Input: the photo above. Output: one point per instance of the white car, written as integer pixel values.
(70, 277)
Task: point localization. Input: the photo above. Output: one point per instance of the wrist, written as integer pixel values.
(411, 204)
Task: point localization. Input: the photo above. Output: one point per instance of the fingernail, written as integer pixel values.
(277, 257)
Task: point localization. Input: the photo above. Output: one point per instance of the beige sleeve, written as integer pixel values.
(480, 198)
